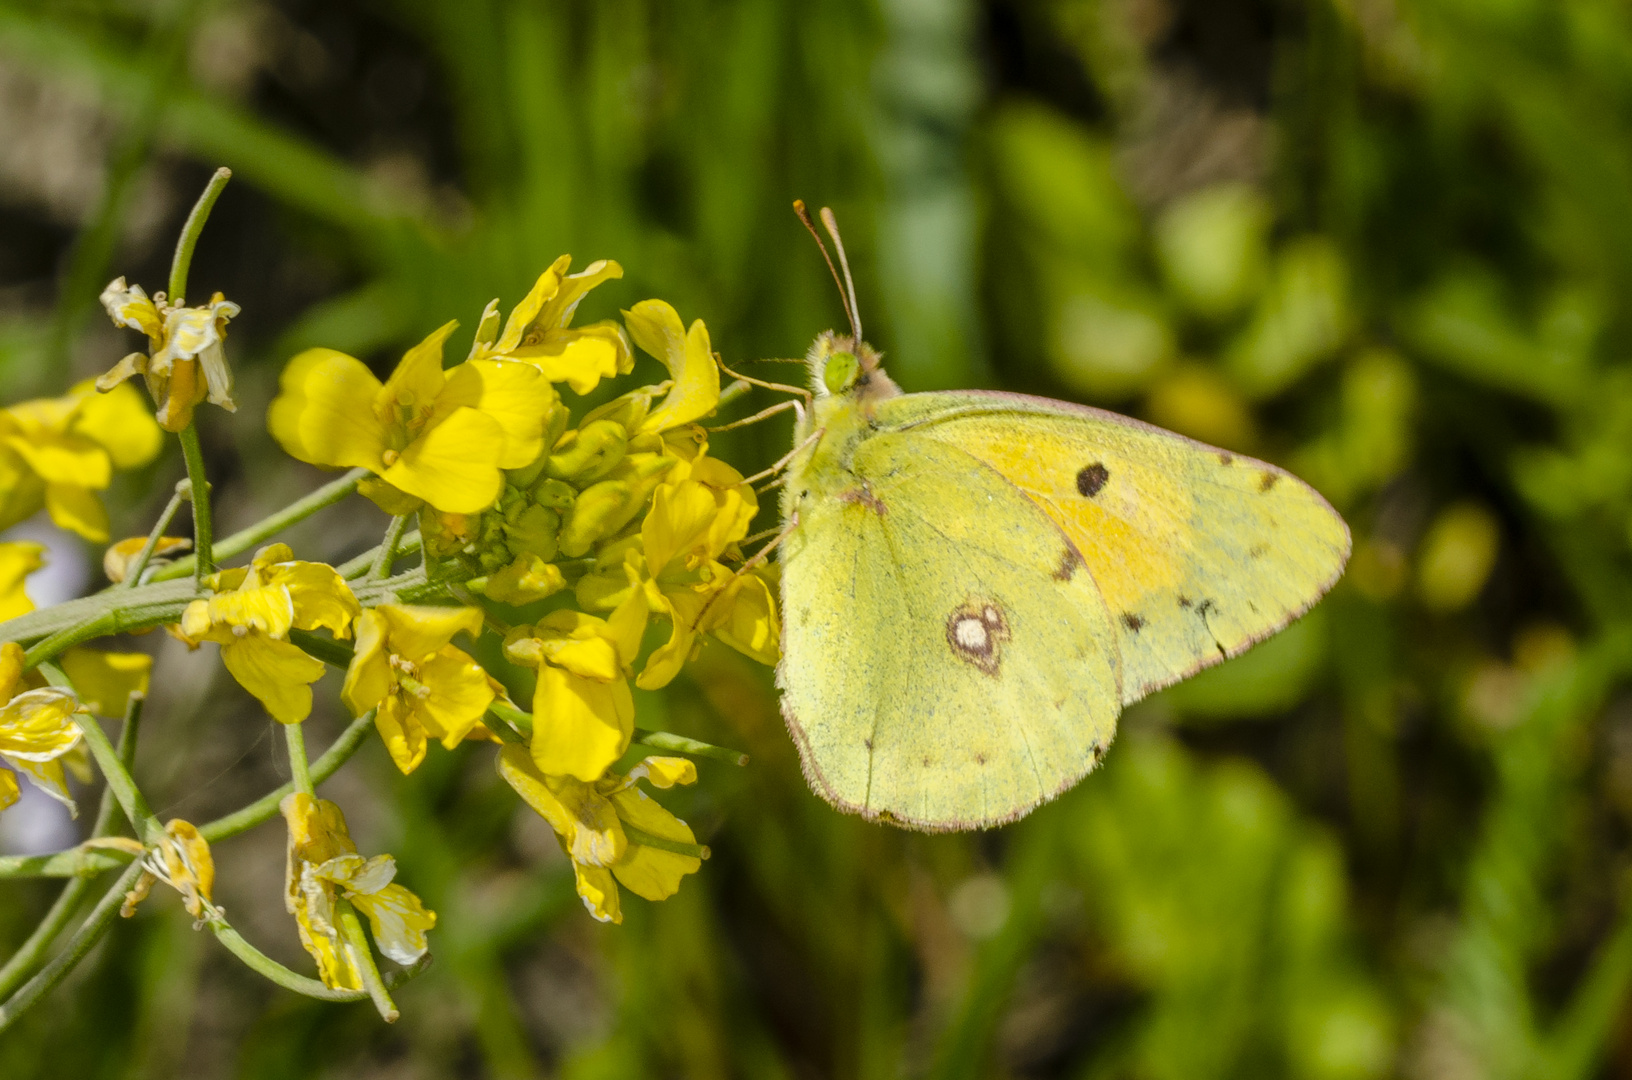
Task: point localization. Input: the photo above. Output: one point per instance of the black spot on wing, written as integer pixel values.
(1267, 480)
(1091, 479)
(1069, 561)
(1132, 622)
(1186, 602)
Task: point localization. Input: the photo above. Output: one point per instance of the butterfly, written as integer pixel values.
(974, 584)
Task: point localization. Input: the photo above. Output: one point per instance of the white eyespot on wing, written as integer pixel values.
(971, 634)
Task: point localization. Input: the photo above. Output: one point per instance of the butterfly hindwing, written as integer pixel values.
(943, 666)
(1198, 553)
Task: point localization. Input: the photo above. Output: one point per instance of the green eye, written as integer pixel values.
(840, 373)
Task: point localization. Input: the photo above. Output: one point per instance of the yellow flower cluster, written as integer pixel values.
(625, 507)
(556, 538)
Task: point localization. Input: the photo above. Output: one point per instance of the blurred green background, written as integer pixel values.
(1384, 243)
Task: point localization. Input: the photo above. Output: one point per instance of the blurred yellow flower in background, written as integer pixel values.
(185, 362)
(17, 561)
(428, 434)
(58, 452)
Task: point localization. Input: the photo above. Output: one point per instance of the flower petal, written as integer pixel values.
(581, 358)
(9, 791)
(38, 725)
(64, 459)
(418, 378)
(399, 921)
(696, 390)
(130, 306)
(460, 694)
(404, 736)
(116, 560)
(104, 681)
(647, 871)
(121, 422)
(454, 465)
(17, 561)
(599, 892)
(276, 672)
(77, 509)
(580, 726)
(324, 413)
(368, 678)
(516, 395)
(415, 632)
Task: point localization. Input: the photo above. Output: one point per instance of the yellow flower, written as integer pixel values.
(695, 392)
(17, 561)
(432, 435)
(185, 361)
(421, 686)
(58, 452)
(182, 860)
(537, 332)
(117, 559)
(593, 823)
(324, 867)
(251, 614)
(583, 712)
(37, 731)
(698, 516)
(104, 681)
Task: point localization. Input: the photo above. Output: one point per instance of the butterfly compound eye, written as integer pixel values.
(840, 372)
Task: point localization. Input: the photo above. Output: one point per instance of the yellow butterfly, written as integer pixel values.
(975, 583)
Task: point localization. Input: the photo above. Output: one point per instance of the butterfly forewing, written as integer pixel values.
(1197, 552)
(947, 664)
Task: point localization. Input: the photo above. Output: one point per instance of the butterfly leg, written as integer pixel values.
(798, 392)
(782, 462)
(763, 414)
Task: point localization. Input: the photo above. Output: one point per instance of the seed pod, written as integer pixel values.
(586, 455)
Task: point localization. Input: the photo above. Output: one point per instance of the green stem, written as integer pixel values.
(678, 847)
(133, 572)
(188, 240)
(203, 555)
(362, 955)
(262, 964)
(114, 771)
(87, 862)
(63, 640)
(679, 744)
(388, 549)
(30, 954)
(267, 805)
(296, 740)
(90, 932)
(362, 564)
(244, 539)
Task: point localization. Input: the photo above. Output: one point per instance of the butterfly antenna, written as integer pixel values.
(832, 226)
(847, 299)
